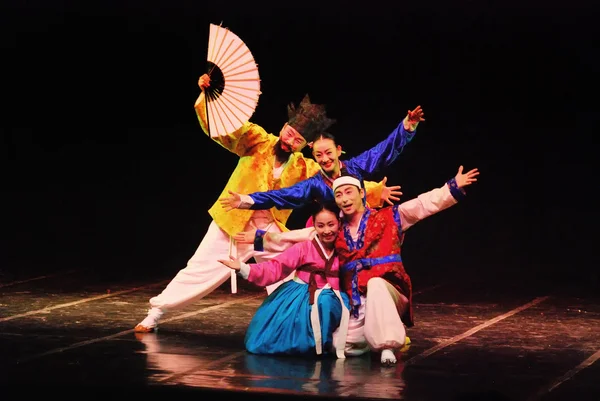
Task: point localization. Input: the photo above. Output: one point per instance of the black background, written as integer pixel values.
(104, 165)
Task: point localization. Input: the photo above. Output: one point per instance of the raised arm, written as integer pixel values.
(387, 151)
(436, 200)
(242, 141)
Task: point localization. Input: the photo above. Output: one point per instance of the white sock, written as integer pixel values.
(388, 357)
(154, 315)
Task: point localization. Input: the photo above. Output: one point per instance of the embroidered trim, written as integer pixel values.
(456, 192)
(361, 232)
(397, 220)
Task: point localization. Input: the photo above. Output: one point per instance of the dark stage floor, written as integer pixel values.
(71, 334)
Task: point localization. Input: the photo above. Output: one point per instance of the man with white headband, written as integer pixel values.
(369, 250)
(346, 180)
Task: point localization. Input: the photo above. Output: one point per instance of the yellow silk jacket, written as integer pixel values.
(254, 172)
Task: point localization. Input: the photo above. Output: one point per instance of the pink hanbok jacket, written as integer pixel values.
(310, 261)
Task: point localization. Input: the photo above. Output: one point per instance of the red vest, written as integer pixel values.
(378, 255)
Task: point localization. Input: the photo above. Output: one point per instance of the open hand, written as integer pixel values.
(389, 194)
(415, 116)
(233, 264)
(462, 180)
(245, 237)
(232, 202)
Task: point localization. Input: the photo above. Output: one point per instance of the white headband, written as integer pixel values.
(345, 180)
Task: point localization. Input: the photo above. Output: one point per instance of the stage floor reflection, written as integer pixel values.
(474, 339)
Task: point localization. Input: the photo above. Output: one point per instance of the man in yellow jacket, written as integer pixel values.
(267, 162)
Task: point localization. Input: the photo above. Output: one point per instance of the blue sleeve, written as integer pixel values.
(456, 192)
(383, 154)
(293, 197)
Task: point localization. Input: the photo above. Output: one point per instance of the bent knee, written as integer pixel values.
(376, 284)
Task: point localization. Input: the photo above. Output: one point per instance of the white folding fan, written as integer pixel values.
(234, 82)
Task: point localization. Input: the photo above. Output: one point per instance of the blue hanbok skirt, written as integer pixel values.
(281, 325)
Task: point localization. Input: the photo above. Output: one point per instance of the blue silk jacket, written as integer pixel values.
(318, 187)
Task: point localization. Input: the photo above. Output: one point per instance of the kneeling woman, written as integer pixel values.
(302, 314)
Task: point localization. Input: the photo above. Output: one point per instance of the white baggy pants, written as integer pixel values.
(379, 323)
(204, 273)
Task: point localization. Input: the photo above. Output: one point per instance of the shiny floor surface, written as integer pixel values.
(71, 334)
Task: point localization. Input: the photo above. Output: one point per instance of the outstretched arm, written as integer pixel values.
(298, 195)
(242, 141)
(274, 242)
(302, 193)
(387, 151)
(434, 201)
(274, 270)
